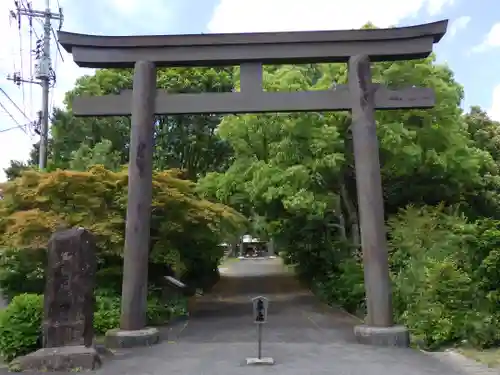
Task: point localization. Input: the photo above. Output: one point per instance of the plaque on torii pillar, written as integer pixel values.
(251, 51)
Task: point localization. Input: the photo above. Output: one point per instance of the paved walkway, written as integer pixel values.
(302, 335)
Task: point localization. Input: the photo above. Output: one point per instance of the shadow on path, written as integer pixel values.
(302, 335)
(294, 314)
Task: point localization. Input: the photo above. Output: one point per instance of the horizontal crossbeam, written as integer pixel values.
(401, 43)
(337, 99)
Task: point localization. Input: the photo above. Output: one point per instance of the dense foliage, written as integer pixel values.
(446, 276)
(20, 326)
(21, 321)
(293, 177)
(36, 204)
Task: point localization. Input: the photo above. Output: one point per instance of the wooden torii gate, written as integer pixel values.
(250, 51)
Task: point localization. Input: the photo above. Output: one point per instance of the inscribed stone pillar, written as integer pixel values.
(69, 290)
(370, 198)
(137, 232)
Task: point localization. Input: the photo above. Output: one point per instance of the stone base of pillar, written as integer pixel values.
(382, 336)
(119, 339)
(64, 358)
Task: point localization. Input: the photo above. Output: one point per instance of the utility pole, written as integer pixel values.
(44, 74)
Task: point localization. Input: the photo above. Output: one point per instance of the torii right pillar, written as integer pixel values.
(379, 328)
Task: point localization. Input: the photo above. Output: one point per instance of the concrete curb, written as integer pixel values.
(462, 363)
(127, 339)
(174, 328)
(339, 308)
(178, 319)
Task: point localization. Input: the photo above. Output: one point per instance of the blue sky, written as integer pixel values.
(471, 47)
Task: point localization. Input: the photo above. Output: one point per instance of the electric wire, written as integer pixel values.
(57, 44)
(14, 104)
(11, 17)
(25, 7)
(31, 65)
(22, 127)
(51, 107)
(19, 126)
(22, 66)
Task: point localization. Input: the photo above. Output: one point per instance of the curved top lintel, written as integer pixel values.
(436, 30)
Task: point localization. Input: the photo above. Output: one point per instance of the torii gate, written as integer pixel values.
(250, 51)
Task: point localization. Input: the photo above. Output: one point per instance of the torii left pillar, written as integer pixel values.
(133, 330)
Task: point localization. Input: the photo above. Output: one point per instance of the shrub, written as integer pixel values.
(20, 322)
(108, 305)
(160, 312)
(345, 287)
(185, 229)
(22, 271)
(107, 311)
(445, 271)
(440, 292)
(20, 326)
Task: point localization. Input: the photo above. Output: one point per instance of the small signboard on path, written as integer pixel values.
(260, 306)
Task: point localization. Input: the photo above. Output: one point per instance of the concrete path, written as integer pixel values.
(302, 335)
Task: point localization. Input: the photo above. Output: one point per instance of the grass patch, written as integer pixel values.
(490, 357)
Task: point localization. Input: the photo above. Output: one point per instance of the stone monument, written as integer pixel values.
(67, 326)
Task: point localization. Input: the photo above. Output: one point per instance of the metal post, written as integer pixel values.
(259, 339)
(137, 236)
(45, 81)
(370, 198)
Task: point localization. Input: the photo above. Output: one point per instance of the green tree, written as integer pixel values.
(15, 169)
(101, 153)
(296, 172)
(484, 131)
(185, 142)
(289, 163)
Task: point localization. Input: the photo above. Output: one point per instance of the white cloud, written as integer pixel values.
(492, 39)
(458, 24)
(127, 6)
(434, 7)
(286, 15)
(494, 111)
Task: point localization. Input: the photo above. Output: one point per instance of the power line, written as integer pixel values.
(12, 17)
(30, 124)
(57, 46)
(22, 66)
(44, 74)
(31, 64)
(19, 126)
(59, 54)
(15, 105)
(22, 127)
